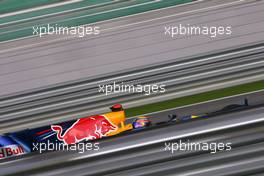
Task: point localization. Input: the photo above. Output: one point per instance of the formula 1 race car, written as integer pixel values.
(70, 132)
(90, 128)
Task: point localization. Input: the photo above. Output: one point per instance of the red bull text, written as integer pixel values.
(11, 150)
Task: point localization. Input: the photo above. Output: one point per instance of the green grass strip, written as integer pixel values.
(197, 98)
(57, 9)
(7, 6)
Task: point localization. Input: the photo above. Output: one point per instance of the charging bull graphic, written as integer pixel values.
(88, 128)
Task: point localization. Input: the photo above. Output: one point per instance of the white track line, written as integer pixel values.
(62, 12)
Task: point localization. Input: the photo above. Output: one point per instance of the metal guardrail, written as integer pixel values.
(191, 76)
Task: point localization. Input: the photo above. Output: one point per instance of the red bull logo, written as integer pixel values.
(88, 128)
(11, 150)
